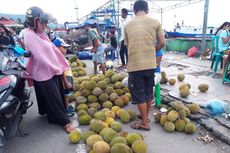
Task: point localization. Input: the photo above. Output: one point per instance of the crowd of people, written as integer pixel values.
(140, 53)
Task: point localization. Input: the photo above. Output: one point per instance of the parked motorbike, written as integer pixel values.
(14, 95)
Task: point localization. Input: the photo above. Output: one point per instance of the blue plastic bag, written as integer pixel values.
(215, 107)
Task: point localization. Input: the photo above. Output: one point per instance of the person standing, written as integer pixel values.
(45, 67)
(123, 48)
(141, 35)
(98, 48)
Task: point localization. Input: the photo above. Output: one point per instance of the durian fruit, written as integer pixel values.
(116, 126)
(110, 114)
(95, 79)
(119, 112)
(183, 86)
(115, 108)
(110, 135)
(82, 107)
(132, 114)
(91, 140)
(103, 97)
(132, 137)
(172, 81)
(97, 91)
(121, 148)
(109, 90)
(81, 100)
(186, 120)
(163, 119)
(91, 151)
(118, 139)
(107, 104)
(118, 85)
(109, 120)
(92, 99)
(97, 106)
(85, 92)
(177, 105)
(74, 137)
(72, 58)
(124, 116)
(115, 78)
(139, 147)
(187, 111)
(180, 77)
(164, 79)
(190, 128)
(90, 85)
(184, 92)
(125, 99)
(180, 125)
(84, 119)
(109, 73)
(102, 84)
(91, 111)
(157, 116)
(101, 147)
(97, 125)
(102, 133)
(169, 126)
(123, 134)
(172, 116)
(100, 116)
(113, 96)
(193, 108)
(82, 112)
(203, 87)
(182, 113)
(128, 95)
(85, 135)
(119, 102)
(119, 92)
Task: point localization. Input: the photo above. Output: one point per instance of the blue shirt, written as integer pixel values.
(222, 46)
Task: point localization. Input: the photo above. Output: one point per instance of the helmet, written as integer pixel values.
(33, 14)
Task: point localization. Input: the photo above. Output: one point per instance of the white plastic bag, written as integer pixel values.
(157, 78)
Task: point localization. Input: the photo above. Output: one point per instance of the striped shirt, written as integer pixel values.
(141, 35)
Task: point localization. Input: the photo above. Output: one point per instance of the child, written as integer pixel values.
(67, 76)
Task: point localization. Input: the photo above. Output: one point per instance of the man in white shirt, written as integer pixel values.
(123, 49)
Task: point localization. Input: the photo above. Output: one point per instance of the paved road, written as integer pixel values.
(46, 138)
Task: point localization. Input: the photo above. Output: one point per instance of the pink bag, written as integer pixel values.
(192, 51)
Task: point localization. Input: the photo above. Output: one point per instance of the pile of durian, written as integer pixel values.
(99, 101)
(176, 117)
(77, 66)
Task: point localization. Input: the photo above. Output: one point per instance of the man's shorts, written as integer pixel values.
(99, 55)
(141, 84)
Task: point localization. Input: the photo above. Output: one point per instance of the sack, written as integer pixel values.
(84, 55)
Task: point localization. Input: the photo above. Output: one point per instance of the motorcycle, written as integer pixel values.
(14, 95)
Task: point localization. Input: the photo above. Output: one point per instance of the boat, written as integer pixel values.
(190, 32)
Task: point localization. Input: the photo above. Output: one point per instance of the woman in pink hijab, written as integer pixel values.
(45, 67)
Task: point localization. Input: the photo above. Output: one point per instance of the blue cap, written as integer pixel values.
(60, 42)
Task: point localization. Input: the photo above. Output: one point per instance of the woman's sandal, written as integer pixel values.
(139, 126)
(140, 117)
(69, 128)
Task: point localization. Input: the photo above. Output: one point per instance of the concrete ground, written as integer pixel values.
(47, 138)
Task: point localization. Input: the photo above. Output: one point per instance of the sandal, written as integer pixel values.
(140, 117)
(139, 126)
(69, 128)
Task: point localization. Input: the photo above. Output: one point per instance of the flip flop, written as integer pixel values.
(138, 126)
(140, 117)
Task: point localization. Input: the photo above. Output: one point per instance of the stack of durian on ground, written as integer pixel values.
(99, 102)
(176, 118)
(77, 66)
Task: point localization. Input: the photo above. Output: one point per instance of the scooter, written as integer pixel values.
(14, 95)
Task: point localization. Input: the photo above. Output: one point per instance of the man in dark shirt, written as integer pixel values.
(110, 50)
